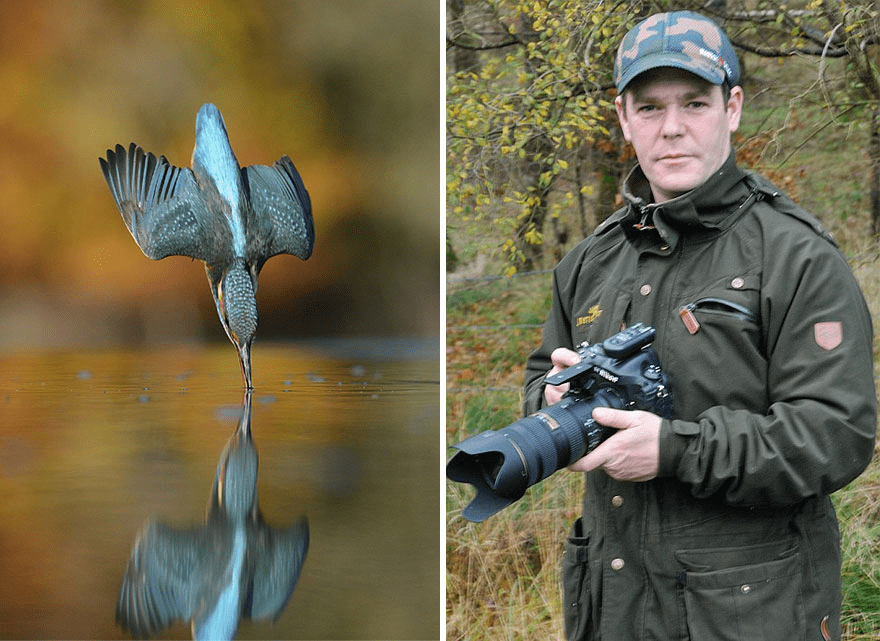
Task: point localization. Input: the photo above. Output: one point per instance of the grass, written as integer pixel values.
(858, 509)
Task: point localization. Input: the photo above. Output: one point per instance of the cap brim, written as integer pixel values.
(709, 73)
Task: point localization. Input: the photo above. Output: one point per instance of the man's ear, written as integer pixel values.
(734, 108)
(621, 116)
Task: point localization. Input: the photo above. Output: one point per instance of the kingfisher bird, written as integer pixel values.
(234, 566)
(232, 218)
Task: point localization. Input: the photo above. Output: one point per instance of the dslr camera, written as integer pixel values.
(622, 372)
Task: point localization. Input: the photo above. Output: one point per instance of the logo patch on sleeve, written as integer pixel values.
(828, 335)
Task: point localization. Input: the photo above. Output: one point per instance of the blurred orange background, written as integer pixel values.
(349, 89)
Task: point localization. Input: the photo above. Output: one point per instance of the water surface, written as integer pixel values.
(93, 444)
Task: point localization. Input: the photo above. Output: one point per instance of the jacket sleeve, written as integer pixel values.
(556, 333)
(818, 432)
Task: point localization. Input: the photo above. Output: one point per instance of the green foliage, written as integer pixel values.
(519, 123)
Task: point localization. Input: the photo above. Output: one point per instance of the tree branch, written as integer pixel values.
(766, 52)
(451, 42)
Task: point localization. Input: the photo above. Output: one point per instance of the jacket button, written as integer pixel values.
(746, 589)
(617, 500)
(737, 283)
(644, 290)
(617, 564)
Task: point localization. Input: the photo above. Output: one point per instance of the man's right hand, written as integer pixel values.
(562, 358)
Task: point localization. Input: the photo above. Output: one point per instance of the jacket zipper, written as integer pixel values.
(715, 306)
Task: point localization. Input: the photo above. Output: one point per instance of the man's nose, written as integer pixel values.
(673, 123)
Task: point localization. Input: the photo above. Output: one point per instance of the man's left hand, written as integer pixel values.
(633, 454)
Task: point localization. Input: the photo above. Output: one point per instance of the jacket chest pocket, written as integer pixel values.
(718, 329)
(712, 306)
(728, 309)
(732, 302)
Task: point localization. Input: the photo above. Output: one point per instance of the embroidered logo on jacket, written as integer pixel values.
(828, 335)
(592, 316)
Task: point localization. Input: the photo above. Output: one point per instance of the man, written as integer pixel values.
(716, 524)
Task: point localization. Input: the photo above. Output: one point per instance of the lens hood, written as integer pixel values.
(496, 466)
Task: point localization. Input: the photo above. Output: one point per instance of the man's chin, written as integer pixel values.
(669, 189)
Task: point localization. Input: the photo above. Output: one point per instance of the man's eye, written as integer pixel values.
(646, 109)
(697, 104)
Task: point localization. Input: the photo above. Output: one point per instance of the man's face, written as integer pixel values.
(680, 128)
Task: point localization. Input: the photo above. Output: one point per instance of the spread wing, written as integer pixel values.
(164, 578)
(280, 220)
(162, 206)
(280, 557)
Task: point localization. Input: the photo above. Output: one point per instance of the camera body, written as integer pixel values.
(622, 372)
(624, 367)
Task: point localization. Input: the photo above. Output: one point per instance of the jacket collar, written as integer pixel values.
(705, 209)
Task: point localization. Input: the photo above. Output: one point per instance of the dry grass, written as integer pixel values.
(503, 575)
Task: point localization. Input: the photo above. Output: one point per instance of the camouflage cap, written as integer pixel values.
(681, 39)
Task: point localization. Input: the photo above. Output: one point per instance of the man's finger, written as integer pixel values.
(595, 459)
(563, 357)
(621, 419)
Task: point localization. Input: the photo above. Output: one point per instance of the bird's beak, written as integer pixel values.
(244, 355)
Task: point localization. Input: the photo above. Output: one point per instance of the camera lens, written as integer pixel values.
(490, 464)
(502, 464)
(622, 372)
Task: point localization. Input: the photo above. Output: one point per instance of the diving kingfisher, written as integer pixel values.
(232, 218)
(235, 566)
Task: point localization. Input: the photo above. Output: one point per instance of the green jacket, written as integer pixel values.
(768, 344)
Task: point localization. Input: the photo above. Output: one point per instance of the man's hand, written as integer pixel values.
(561, 358)
(632, 454)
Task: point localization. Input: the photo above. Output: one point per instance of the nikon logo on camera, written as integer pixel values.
(608, 376)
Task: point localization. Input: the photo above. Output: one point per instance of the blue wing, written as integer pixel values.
(279, 560)
(280, 220)
(163, 206)
(168, 575)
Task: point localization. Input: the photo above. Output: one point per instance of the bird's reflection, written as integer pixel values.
(213, 575)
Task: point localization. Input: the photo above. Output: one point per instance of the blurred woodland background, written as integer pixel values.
(348, 89)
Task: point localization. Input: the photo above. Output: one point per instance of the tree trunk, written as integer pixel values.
(539, 159)
(463, 59)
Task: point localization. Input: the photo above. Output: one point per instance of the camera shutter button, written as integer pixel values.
(653, 373)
